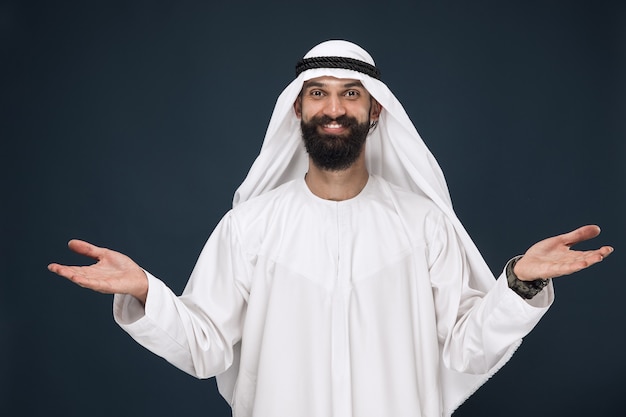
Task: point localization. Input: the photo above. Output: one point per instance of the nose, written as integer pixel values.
(334, 107)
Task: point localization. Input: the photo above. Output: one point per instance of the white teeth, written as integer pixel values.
(333, 126)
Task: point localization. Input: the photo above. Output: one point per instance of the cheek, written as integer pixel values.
(360, 109)
(361, 114)
(308, 110)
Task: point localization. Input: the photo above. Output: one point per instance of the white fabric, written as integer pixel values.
(394, 150)
(379, 305)
(354, 312)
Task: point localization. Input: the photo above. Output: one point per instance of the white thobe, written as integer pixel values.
(305, 307)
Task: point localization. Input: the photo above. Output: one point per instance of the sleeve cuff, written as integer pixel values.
(127, 310)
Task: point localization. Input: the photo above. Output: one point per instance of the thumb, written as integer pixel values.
(86, 249)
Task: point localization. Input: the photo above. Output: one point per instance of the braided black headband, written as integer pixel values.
(337, 62)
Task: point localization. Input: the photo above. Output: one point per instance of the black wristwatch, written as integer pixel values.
(525, 289)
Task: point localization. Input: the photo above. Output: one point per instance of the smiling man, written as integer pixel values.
(336, 116)
(341, 283)
(337, 121)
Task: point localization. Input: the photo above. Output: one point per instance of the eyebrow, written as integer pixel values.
(351, 84)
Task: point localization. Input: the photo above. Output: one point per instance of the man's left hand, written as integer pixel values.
(553, 257)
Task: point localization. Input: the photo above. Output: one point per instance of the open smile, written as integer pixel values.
(333, 127)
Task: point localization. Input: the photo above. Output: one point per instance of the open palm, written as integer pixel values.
(553, 257)
(113, 273)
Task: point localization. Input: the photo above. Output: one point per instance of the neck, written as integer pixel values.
(337, 185)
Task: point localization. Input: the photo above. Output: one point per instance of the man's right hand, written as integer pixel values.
(113, 273)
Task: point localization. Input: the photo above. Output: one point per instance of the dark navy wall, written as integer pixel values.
(130, 124)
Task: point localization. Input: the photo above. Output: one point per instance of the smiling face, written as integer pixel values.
(335, 116)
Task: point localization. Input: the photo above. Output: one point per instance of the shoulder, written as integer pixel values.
(405, 199)
(276, 196)
(260, 210)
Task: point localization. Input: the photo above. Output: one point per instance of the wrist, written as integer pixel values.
(141, 292)
(526, 289)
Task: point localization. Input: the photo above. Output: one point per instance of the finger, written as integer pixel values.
(54, 268)
(65, 271)
(598, 254)
(606, 251)
(585, 260)
(85, 248)
(581, 234)
(76, 275)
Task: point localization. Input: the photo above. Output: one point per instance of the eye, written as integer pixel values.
(352, 93)
(316, 93)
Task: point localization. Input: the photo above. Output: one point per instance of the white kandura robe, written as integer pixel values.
(353, 308)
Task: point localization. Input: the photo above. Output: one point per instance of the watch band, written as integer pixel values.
(525, 289)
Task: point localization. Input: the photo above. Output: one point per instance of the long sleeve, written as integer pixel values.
(195, 332)
(476, 329)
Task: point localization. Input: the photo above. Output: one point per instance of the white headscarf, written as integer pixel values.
(394, 150)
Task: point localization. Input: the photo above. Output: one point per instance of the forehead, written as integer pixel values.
(333, 82)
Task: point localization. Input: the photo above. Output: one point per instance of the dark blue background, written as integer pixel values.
(130, 124)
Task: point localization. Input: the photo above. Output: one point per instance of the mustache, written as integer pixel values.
(343, 120)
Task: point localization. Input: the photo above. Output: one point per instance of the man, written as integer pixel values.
(341, 283)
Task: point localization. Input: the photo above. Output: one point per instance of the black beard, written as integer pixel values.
(334, 152)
